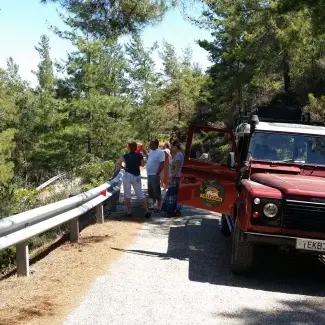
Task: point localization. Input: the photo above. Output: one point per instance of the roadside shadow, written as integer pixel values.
(275, 271)
(197, 238)
(289, 313)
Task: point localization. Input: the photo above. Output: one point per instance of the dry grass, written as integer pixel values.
(59, 281)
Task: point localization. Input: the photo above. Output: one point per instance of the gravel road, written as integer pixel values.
(178, 272)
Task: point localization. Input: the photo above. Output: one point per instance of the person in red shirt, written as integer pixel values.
(140, 149)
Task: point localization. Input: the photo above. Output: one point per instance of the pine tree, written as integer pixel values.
(144, 88)
(44, 74)
(8, 122)
(259, 51)
(97, 125)
(48, 145)
(183, 83)
(110, 19)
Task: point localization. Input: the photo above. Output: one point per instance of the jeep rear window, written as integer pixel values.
(287, 147)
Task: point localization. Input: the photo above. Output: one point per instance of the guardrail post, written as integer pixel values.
(114, 199)
(74, 230)
(100, 213)
(22, 258)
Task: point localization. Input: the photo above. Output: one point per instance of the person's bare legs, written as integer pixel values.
(145, 205)
(158, 206)
(127, 192)
(138, 191)
(128, 206)
(157, 190)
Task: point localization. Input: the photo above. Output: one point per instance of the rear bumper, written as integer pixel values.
(275, 240)
(304, 245)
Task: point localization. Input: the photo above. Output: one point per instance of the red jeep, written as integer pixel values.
(267, 179)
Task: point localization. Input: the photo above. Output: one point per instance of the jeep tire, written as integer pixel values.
(225, 231)
(242, 254)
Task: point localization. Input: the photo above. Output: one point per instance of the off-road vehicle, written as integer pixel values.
(267, 179)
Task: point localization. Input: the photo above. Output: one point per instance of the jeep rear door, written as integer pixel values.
(207, 182)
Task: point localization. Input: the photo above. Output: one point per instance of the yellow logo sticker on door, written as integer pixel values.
(211, 193)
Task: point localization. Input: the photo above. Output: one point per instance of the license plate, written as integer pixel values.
(310, 244)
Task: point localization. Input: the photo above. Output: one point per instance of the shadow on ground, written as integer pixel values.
(288, 313)
(197, 238)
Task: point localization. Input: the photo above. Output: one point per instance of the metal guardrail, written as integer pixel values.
(49, 182)
(55, 178)
(17, 229)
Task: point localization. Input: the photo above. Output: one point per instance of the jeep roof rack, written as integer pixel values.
(305, 119)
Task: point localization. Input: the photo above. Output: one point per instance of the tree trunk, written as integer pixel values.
(240, 100)
(89, 140)
(286, 72)
(179, 108)
(89, 148)
(240, 93)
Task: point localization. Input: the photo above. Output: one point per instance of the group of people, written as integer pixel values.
(164, 167)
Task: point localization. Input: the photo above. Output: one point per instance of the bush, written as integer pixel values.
(97, 173)
(316, 108)
(163, 138)
(23, 200)
(7, 257)
(26, 199)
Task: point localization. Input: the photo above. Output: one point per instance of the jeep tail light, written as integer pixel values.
(255, 215)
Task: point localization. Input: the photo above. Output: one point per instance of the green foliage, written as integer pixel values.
(6, 165)
(259, 50)
(144, 87)
(7, 257)
(85, 108)
(23, 200)
(182, 90)
(105, 95)
(96, 174)
(316, 108)
(45, 68)
(315, 8)
(110, 18)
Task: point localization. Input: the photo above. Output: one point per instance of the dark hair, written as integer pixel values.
(176, 144)
(167, 145)
(155, 141)
(132, 146)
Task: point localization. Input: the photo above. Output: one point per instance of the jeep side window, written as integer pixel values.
(270, 146)
(208, 178)
(211, 147)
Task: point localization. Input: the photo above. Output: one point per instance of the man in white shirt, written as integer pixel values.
(155, 165)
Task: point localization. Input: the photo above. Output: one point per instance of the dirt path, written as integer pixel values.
(59, 281)
(178, 272)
